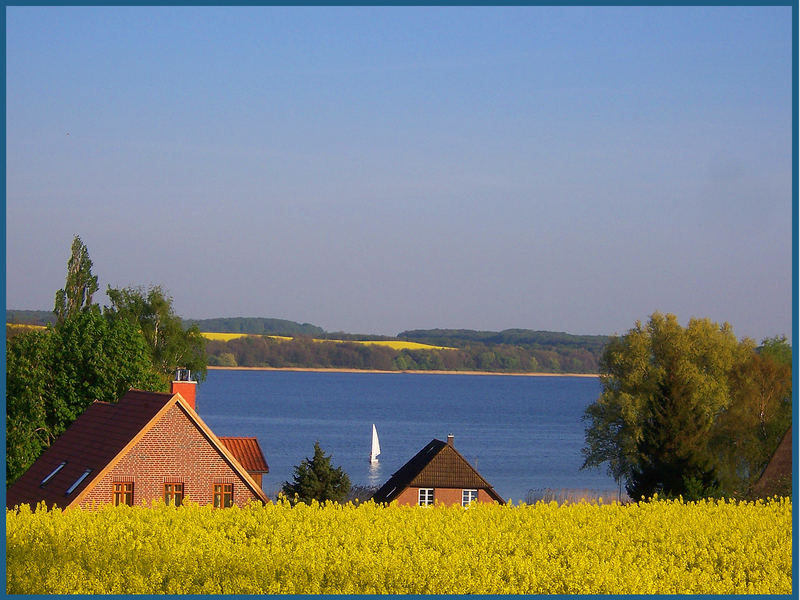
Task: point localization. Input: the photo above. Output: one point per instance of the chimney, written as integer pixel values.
(450, 440)
(184, 386)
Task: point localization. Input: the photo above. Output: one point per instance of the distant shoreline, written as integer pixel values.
(410, 371)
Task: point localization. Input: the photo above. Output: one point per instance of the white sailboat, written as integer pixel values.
(376, 446)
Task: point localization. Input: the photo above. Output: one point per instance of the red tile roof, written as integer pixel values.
(248, 452)
(91, 442)
(437, 465)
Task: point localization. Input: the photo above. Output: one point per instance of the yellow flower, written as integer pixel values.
(664, 546)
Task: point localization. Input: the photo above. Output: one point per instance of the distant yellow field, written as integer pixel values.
(226, 337)
(222, 337)
(394, 344)
(24, 326)
(397, 344)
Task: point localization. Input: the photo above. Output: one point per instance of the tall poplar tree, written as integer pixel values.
(81, 284)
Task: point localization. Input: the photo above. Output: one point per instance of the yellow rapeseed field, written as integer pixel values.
(395, 344)
(226, 337)
(25, 327)
(659, 547)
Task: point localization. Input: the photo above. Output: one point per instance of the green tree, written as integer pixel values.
(81, 284)
(663, 380)
(672, 459)
(777, 348)
(27, 399)
(95, 358)
(749, 430)
(226, 359)
(171, 346)
(316, 479)
(54, 375)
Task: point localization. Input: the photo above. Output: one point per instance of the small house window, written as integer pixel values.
(468, 496)
(78, 481)
(123, 493)
(223, 495)
(425, 496)
(173, 493)
(53, 473)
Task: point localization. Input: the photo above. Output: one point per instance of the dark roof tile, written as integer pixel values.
(437, 465)
(91, 442)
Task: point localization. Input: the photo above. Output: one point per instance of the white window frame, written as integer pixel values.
(425, 497)
(468, 496)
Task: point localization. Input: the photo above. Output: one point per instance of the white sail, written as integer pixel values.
(376, 446)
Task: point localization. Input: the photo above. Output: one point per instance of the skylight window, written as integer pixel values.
(53, 473)
(78, 481)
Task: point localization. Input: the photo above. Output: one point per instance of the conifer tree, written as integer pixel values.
(316, 479)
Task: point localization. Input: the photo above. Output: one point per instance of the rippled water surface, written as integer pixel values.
(519, 432)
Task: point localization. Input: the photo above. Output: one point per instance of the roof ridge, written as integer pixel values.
(137, 390)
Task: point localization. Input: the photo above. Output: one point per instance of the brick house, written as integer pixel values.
(146, 446)
(437, 474)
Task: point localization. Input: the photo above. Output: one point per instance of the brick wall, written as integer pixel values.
(410, 496)
(483, 496)
(174, 450)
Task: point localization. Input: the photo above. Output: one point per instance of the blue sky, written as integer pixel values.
(373, 170)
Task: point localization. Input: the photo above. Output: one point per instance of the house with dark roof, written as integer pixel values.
(777, 476)
(144, 447)
(437, 474)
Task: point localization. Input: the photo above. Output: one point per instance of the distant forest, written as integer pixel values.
(302, 351)
(515, 337)
(517, 350)
(512, 350)
(31, 317)
(255, 325)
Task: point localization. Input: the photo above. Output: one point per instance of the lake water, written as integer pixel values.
(521, 433)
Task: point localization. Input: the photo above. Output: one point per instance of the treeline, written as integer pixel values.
(511, 350)
(249, 325)
(550, 351)
(549, 340)
(303, 351)
(31, 317)
(255, 325)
